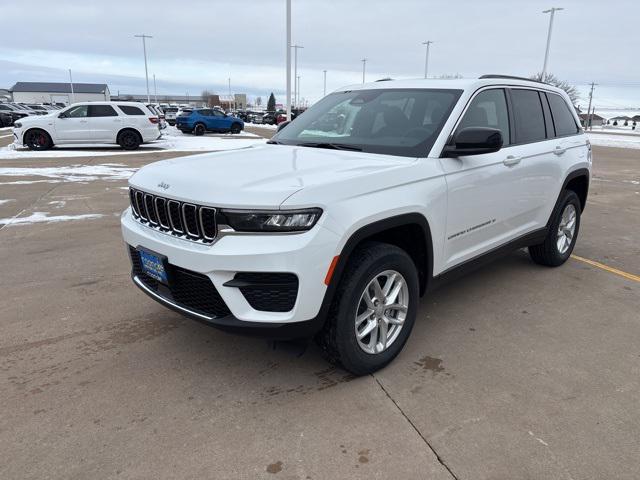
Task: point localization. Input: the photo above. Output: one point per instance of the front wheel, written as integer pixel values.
(199, 129)
(37, 139)
(236, 128)
(373, 311)
(562, 234)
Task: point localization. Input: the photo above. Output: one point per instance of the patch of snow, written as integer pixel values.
(2, 202)
(58, 203)
(262, 125)
(71, 173)
(172, 141)
(619, 141)
(42, 217)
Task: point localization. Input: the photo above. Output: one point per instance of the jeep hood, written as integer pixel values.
(257, 177)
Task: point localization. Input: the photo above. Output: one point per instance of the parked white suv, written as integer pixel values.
(127, 124)
(374, 196)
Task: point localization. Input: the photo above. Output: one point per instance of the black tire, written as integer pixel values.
(549, 252)
(236, 128)
(199, 129)
(338, 340)
(37, 139)
(129, 140)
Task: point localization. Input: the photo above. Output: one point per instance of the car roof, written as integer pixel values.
(471, 84)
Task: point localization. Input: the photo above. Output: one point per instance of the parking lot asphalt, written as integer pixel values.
(515, 371)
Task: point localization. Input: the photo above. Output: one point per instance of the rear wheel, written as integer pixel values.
(562, 235)
(236, 128)
(37, 139)
(129, 140)
(373, 311)
(199, 129)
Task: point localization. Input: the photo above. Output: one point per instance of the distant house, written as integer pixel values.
(596, 120)
(46, 92)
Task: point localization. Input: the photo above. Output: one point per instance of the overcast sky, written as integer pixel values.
(199, 44)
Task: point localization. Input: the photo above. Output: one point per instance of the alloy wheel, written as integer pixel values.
(566, 228)
(382, 310)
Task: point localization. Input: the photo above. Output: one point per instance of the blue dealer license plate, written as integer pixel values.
(153, 266)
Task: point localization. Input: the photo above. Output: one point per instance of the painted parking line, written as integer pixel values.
(629, 276)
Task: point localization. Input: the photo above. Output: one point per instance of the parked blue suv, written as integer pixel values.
(201, 120)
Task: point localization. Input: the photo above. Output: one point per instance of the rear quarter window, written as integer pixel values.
(130, 110)
(563, 119)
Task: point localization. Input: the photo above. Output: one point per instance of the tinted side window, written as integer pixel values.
(529, 119)
(218, 113)
(129, 110)
(102, 111)
(562, 117)
(488, 109)
(206, 112)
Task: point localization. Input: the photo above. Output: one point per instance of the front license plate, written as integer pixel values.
(154, 266)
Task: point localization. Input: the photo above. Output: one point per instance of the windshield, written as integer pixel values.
(404, 122)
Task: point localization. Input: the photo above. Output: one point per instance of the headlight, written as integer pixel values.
(17, 124)
(272, 221)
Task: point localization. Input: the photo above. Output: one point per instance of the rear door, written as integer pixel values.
(482, 189)
(72, 125)
(220, 121)
(539, 169)
(105, 123)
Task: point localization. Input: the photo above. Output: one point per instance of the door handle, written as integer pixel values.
(512, 160)
(559, 150)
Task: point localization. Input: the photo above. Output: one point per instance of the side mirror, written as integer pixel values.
(282, 125)
(474, 141)
(63, 115)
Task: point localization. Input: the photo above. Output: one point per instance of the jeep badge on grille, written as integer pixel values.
(164, 185)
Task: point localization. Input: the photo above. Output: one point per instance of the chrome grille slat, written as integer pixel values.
(181, 219)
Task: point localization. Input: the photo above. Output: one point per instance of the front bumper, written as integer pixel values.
(306, 255)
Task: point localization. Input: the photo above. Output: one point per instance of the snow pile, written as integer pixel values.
(42, 217)
(619, 141)
(261, 125)
(70, 173)
(2, 202)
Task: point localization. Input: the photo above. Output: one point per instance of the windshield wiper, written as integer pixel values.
(332, 146)
(274, 142)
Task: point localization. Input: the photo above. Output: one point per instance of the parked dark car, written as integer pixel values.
(201, 120)
(12, 113)
(270, 118)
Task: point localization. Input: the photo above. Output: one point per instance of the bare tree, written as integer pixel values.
(551, 79)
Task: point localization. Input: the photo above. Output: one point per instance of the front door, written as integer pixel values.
(482, 189)
(72, 125)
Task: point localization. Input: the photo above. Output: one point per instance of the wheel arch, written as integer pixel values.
(132, 129)
(578, 181)
(398, 230)
(24, 134)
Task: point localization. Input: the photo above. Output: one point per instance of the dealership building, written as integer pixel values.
(45, 92)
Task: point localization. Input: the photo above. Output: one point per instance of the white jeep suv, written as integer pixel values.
(127, 124)
(372, 197)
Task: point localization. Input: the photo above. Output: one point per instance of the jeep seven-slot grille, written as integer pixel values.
(182, 219)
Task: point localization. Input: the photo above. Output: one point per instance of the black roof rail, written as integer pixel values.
(511, 77)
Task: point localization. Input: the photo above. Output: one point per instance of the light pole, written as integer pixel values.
(146, 71)
(288, 60)
(295, 72)
(426, 58)
(73, 97)
(230, 94)
(364, 67)
(155, 89)
(325, 83)
(298, 92)
(546, 53)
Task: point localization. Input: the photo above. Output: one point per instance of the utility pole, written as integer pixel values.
(288, 60)
(230, 97)
(589, 112)
(426, 58)
(325, 82)
(546, 53)
(146, 72)
(155, 89)
(295, 72)
(298, 92)
(73, 96)
(364, 67)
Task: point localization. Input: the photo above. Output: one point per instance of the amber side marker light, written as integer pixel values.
(332, 267)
